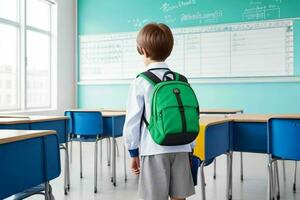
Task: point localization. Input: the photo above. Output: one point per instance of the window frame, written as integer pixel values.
(22, 29)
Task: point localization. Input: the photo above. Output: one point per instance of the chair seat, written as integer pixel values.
(85, 139)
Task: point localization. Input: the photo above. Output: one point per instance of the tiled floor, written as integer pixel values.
(253, 187)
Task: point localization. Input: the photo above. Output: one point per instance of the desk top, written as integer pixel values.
(44, 118)
(14, 116)
(208, 121)
(14, 119)
(8, 121)
(220, 111)
(8, 136)
(261, 117)
(97, 110)
(105, 112)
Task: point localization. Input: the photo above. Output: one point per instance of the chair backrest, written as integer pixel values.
(86, 123)
(284, 138)
(70, 122)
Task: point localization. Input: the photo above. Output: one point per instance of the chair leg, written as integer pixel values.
(71, 150)
(283, 170)
(242, 167)
(202, 181)
(108, 151)
(215, 168)
(80, 144)
(100, 151)
(117, 149)
(125, 170)
(95, 166)
(295, 177)
(270, 180)
(277, 180)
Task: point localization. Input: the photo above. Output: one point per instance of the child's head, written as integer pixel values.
(155, 42)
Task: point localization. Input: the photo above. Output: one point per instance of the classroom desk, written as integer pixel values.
(226, 112)
(246, 133)
(213, 140)
(40, 122)
(250, 131)
(28, 159)
(113, 122)
(218, 111)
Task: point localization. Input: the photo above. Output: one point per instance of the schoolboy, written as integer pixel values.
(164, 170)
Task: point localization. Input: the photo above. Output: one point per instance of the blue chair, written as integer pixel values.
(213, 140)
(283, 144)
(87, 127)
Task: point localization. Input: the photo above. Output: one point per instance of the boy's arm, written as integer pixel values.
(131, 130)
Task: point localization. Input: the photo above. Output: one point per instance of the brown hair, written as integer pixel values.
(157, 40)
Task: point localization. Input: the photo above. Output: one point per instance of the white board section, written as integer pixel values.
(251, 49)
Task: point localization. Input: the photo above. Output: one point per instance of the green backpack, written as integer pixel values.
(174, 116)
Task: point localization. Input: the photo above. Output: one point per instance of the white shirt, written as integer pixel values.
(138, 138)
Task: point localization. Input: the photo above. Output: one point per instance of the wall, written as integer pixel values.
(66, 57)
(252, 95)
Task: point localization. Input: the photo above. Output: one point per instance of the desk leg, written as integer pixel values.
(229, 176)
(283, 170)
(67, 169)
(125, 170)
(270, 180)
(68, 162)
(277, 179)
(295, 177)
(231, 161)
(114, 161)
(242, 167)
(96, 166)
(108, 151)
(80, 147)
(215, 168)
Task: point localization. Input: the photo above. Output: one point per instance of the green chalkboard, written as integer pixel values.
(108, 16)
(111, 16)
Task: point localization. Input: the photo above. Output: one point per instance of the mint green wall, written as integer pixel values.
(252, 97)
(105, 16)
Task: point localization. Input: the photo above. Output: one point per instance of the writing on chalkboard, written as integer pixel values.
(260, 11)
(167, 7)
(210, 17)
(137, 23)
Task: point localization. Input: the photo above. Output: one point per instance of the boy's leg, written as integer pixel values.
(181, 181)
(155, 177)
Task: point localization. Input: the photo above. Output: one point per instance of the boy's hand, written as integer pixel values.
(135, 165)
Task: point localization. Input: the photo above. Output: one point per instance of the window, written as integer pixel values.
(27, 54)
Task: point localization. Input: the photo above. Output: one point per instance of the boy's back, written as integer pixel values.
(139, 98)
(165, 170)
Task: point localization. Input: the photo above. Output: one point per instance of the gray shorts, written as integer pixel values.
(166, 175)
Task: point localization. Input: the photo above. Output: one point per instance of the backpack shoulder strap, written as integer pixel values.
(180, 77)
(150, 77)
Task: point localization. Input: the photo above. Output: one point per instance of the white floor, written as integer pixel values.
(253, 187)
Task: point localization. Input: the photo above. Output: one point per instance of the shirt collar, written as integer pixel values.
(157, 65)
